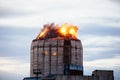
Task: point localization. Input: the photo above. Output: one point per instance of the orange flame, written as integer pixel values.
(42, 34)
(66, 30)
(63, 29)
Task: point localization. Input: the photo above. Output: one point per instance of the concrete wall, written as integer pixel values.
(104, 74)
(96, 75)
(77, 78)
(48, 56)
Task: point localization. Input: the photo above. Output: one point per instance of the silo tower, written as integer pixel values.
(56, 51)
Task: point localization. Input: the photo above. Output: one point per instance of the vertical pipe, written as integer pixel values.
(37, 62)
(49, 59)
(57, 59)
(43, 57)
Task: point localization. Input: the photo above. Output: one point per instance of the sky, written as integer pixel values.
(21, 21)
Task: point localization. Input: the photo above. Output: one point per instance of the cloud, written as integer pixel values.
(14, 68)
(100, 53)
(100, 41)
(4, 75)
(104, 64)
(100, 47)
(39, 12)
(99, 30)
(36, 20)
(14, 52)
(116, 1)
(5, 12)
(11, 64)
(16, 41)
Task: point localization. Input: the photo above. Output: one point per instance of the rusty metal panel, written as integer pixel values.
(60, 69)
(40, 43)
(34, 43)
(77, 43)
(54, 51)
(72, 43)
(47, 43)
(31, 56)
(46, 51)
(40, 52)
(35, 50)
(60, 51)
(35, 54)
(60, 60)
(73, 50)
(60, 42)
(53, 42)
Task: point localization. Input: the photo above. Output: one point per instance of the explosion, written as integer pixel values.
(67, 31)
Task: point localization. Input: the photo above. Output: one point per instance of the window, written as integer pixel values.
(54, 53)
(46, 53)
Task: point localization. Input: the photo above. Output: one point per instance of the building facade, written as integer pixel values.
(56, 56)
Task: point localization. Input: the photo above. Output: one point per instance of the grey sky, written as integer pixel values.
(21, 21)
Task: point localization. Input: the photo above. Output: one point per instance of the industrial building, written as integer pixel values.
(57, 54)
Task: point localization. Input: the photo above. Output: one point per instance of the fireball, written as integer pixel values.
(68, 30)
(52, 31)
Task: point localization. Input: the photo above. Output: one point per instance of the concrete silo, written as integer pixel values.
(54, 53)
